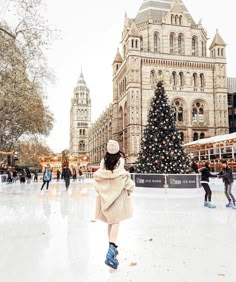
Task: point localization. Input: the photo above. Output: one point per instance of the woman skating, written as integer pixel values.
(205, 174)
(113, 204)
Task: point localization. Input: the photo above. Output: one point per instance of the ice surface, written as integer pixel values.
(52, 237)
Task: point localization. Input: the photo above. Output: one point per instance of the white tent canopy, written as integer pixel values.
(214, 139)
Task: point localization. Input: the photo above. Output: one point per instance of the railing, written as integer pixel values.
(171, 181)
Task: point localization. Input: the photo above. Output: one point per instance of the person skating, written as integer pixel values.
(205, 175)
(66, 175)
(227, 177)
(47, 176)
(113, 203)
(58, 175)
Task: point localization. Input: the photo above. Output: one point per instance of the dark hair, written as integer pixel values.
(224, 161)
(207, 164)
(111, 160)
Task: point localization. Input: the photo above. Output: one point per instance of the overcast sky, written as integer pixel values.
(91, 33)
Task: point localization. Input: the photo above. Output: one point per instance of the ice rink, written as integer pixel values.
(52, 236)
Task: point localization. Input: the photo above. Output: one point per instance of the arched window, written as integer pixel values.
(202, 81)
(180, 20)
(136, 44)
(177, 108)
(172, 19)
(172, 43)
(176, 19)
(156, 42)
(195, 136)
(81, 146)
(194, 46)
(132, 43)
(218, 51)
(174, 78)
(141, 43)
(203, 49)
(181, 79)
(181, 44)
(153, 78)
(195, 81)
(202, 135)
(222, 52)
(198, 113)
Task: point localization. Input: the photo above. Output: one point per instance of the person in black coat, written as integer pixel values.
(205, 175)
(227, 177)
(66, 175)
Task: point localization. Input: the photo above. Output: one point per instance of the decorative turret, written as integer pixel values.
(218, 46)
(157, 9)
(117, 61)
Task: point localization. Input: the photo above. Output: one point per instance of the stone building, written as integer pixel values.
(232, 103)
(80, 118)
(164, 42)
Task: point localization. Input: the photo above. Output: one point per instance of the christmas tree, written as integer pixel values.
(161, 146)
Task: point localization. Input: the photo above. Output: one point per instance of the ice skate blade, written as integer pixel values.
(112, 265)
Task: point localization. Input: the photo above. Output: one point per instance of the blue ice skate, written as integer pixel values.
(233, 206)
(111, 259)
(205, 204)
(211, 206)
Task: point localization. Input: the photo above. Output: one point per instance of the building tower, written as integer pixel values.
(80, 118)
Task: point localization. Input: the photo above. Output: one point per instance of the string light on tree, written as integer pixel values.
(161, 144)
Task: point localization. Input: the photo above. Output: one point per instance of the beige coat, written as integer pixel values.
(113, 202)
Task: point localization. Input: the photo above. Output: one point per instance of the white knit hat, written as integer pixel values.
(113, 147)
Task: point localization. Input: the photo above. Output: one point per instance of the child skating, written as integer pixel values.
(113, 204)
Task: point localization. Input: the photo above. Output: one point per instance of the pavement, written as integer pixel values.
(51, 236)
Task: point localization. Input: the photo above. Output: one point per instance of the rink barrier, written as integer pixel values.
(170, 181)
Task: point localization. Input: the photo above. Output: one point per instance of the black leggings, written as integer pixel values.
(44, 182)
(228, 192)
(208, 191)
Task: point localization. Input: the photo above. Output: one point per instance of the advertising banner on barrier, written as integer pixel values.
(150, 180)
(182, 181)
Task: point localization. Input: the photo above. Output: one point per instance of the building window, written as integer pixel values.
(198, 113)
(203, 49)
(156, 42)
(172, 41)
(177, 108)
(202, 81)
(174, 78)
(141, 43)
(195, 81)
(172, 19)
(181, 44)
(195, 136)
(176, 19)
(194, 46)
(202, 135)
(181, 79)
(180, 20)
(181, 136)
(81, 146)
(136, 44)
